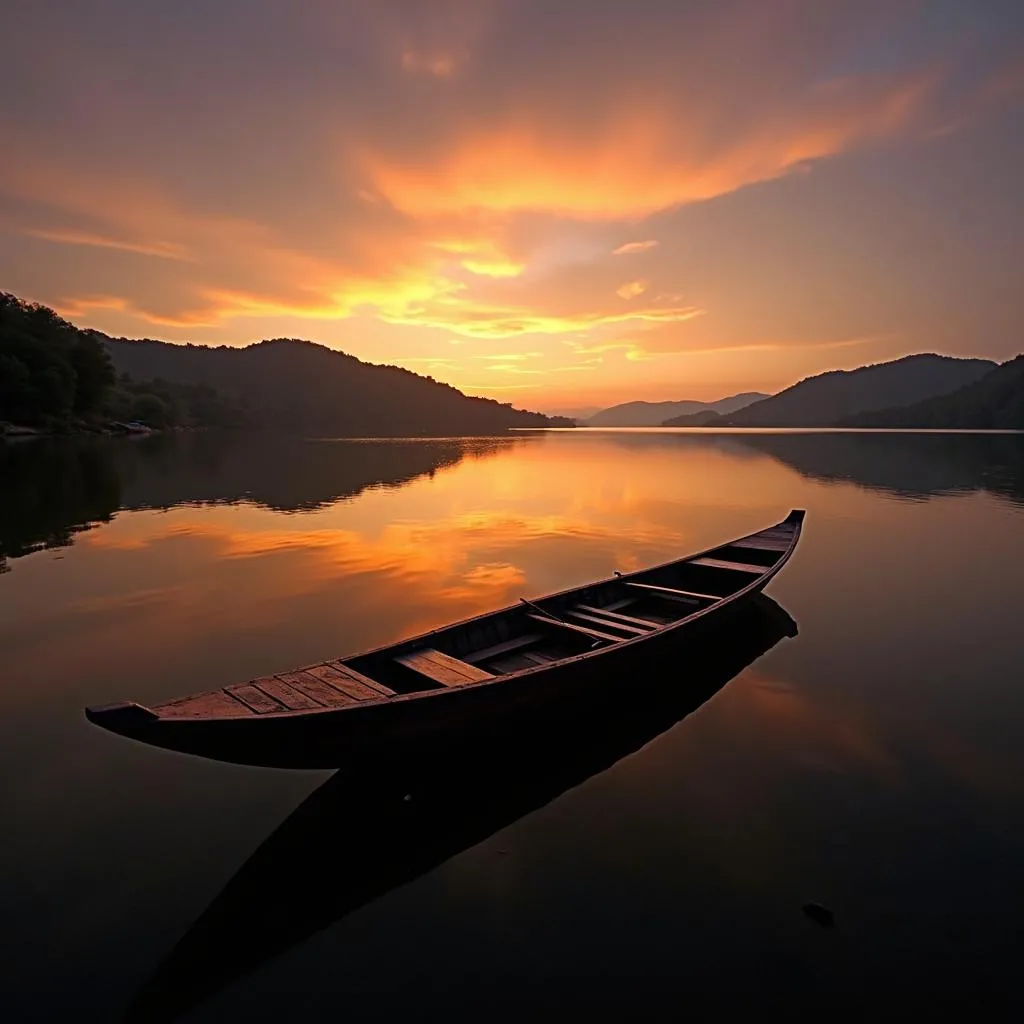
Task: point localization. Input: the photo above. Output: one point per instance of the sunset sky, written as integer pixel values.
(559, 204)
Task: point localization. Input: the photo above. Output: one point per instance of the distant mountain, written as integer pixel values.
(654, 414)
(576, 415)
(704, 418)
(835, 396)
(301, 386)
(995, 402)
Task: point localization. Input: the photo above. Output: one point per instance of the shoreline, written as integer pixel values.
(110, 428)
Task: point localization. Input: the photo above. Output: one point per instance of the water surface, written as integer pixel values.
(874, 762)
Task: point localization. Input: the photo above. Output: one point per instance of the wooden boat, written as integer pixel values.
(508, 661)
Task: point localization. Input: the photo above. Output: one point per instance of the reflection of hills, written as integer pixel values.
(912, 465)
(53, 489)
(282, 473)
(373, 840)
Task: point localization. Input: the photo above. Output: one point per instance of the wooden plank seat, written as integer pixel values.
(675, 594)
(442, 668)
(486, 653)
(292, 698)
(321, 690)
(600, 620)
(633, 620)
(721, 563)
(585, 630)
(349, 681)
(254, 698)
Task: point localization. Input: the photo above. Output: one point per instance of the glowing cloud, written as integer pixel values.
(631, 289)
(68, 236)
(632, 247)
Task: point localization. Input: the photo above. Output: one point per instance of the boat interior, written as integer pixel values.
(553, 628)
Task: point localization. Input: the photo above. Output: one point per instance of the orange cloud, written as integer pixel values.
(631, 247)
(481, 256)
(68, 236)
(644, 156)
(631, 289)
(477, 319)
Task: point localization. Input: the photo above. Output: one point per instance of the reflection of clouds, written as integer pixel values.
(805, 729)
(783, 726)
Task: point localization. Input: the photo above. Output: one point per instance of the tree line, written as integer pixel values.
(54, 375)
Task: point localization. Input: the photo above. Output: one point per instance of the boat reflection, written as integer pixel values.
(449, 809)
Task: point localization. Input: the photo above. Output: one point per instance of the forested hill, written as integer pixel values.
(827, 398)
(300, 385)
(996, 402)
(55, 376)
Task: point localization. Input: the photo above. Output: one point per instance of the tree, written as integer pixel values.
(16, 392)
(151, 410)
(94, 374)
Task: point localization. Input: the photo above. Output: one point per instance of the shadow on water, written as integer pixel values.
(449, 810)
(54, 488)
(903, 464)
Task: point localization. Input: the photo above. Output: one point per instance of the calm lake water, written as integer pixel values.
(632, 865)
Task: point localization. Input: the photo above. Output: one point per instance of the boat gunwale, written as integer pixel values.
(795, 517)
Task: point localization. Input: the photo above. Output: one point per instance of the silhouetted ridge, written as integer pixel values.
(654, 414)
(995, 402)
(827, 398)
(299, 385)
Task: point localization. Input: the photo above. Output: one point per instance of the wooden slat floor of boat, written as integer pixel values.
(721, 563)
(350, 676)
(486, 653)
(349, 681)
(283, 692)
(254, 698)
(215, 704)
(321, 690)
(443, 668)
(688, 596)
(608, 623)
(585, 630)
(631, 619)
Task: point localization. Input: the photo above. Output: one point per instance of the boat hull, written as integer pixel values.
(328, 739)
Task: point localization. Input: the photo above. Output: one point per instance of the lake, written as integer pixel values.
(633, 866)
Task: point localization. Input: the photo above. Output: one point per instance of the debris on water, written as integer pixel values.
(819, 914)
